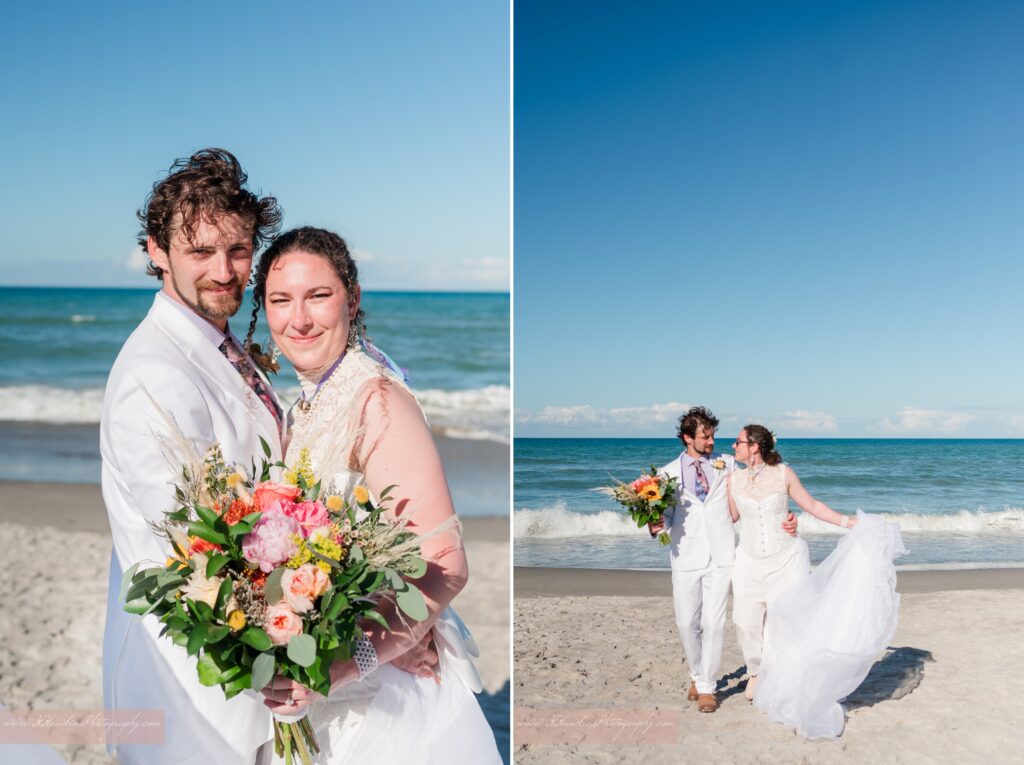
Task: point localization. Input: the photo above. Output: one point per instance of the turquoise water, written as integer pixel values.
(59, 344)
(958, 502)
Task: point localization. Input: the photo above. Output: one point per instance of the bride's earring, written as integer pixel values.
(353, 335)
(273, 350)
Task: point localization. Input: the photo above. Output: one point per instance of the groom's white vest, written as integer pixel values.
(169, 358)
(701, 532)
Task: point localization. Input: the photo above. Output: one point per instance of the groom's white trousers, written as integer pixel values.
(700, 597)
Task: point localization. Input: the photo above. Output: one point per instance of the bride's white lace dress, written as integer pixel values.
(824, 632)
(390, 716)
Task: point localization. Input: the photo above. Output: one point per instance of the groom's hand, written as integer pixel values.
(657, 527)
(789, 525)
(421, 660)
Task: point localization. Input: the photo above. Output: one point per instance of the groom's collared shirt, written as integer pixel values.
(209, 331)
(689, 471)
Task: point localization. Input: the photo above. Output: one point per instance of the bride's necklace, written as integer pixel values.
(756, 470)
(305, 403)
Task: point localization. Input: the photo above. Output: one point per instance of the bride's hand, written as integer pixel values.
(789, 525)
(421, 660)
(277, 694)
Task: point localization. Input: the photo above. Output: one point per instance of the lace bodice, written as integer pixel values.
(330, 428)
(763, 502)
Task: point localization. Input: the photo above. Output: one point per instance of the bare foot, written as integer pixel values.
(751, 688)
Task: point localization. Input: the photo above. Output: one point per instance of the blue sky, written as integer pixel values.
(388, 122)
(800, 213)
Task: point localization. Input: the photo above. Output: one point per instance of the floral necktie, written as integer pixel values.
(239, 362)
(701, 484)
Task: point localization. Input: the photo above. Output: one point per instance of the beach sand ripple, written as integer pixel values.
(947, 690)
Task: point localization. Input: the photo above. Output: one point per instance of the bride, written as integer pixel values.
(363, 427)
(808, 639)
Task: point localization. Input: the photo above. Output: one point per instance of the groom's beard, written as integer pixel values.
(210, 305)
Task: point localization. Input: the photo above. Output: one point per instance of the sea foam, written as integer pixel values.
(558, 521)
(480, 414)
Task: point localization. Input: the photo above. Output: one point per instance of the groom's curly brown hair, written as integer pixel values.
(697, 417)
(210, 183)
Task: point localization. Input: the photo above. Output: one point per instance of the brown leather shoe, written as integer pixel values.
(692, 695)
(706, 702)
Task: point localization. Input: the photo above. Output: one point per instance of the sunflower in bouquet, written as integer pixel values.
(647, 498)
(274, 578)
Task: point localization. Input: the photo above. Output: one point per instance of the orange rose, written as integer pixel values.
(269, 492)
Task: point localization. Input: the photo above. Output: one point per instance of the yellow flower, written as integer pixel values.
(361, 494)
(236, 620)
(235, 480)
(334, 503)
(651, 492)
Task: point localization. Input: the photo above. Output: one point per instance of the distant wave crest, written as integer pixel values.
(480, 414)
(558, 521)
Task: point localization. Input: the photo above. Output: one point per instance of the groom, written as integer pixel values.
(702, 551)
(201, 226)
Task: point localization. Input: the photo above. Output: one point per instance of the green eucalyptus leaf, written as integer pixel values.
(272, 590)
(137, 606)
(410, 600)
(126, 582)
(262, 671)
(302, 650)
(415, 567)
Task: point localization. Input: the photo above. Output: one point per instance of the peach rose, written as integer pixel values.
(281, 624)
(269, 493)
(303, 585)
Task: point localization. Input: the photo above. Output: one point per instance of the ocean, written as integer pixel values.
(59, 344)
(959, 502)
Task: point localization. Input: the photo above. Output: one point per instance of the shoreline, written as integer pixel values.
(538, 582)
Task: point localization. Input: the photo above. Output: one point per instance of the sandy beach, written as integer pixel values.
(52, 637)
(598, 652)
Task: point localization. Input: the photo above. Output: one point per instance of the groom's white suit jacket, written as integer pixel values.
(701, 532)
(169, 358)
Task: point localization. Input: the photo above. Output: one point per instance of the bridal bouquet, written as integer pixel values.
(647, 498)
(273, 578)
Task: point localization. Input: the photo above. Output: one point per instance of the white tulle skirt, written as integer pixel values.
(827, 630)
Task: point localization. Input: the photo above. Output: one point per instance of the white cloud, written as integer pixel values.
(137, 260)
(633, 418)
(362, 256)
(1015, 425)
(915, 420)
(814, 422)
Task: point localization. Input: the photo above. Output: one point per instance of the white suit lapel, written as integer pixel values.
(214, 366)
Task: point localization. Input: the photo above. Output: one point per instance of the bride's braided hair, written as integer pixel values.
(765, 439)
(317, 241)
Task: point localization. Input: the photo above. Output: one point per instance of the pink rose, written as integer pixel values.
(281, 624)
(269, 492)
(303, 585)
(281, 506)
(309, 515)
(270, 542)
